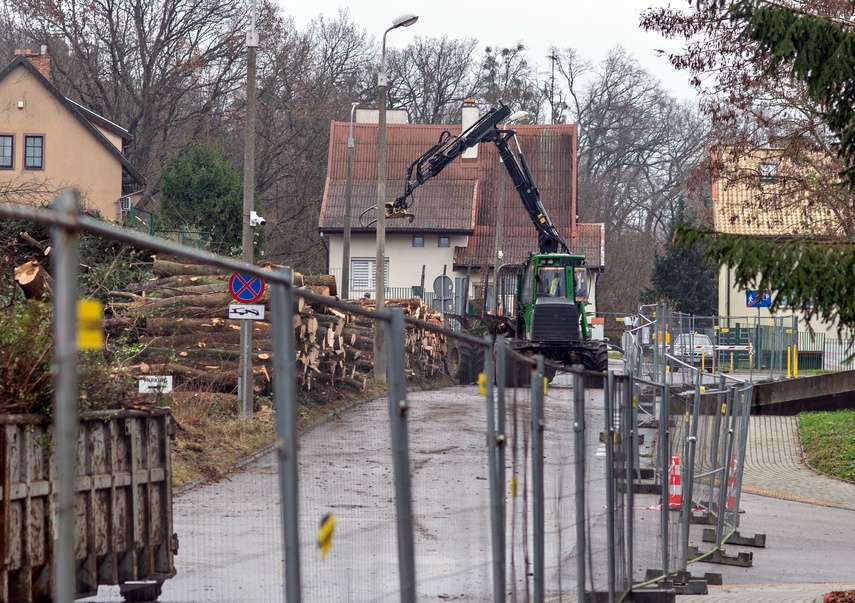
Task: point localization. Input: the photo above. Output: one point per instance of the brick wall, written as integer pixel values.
(40, 60)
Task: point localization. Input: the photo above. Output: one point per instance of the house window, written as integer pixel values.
(418, 241)
(34, 152)
(7, 143)
(444, 241)
(768, 171)
(363, 273)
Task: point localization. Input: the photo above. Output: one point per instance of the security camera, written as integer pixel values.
(256, 220)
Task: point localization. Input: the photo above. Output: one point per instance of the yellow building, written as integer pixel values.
(763, 193)
(48, 143)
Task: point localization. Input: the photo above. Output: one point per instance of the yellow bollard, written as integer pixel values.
(789, 374)
(795, 361)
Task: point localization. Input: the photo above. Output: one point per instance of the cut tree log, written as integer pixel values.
(168, 268)
(317, 280)
(174, 281)
(34, 280)
(216, 300)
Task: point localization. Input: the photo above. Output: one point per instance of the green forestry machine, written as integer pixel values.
(549, 317)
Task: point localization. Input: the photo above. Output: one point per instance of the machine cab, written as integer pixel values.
(552, 291)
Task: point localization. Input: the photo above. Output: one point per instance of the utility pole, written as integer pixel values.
(248, 253)
(348, 193)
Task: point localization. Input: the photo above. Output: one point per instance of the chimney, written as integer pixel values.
(469, 114)
(40, 60)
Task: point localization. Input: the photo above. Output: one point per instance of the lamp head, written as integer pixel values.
(519, 115)
(405, 20)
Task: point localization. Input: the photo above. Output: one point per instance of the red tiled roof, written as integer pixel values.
(777, 205)
(443, 205)
(464, 198)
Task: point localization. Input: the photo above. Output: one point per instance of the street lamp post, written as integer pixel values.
(348, 192)
(380, 265)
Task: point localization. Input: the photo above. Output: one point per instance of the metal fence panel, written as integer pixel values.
(408, 500)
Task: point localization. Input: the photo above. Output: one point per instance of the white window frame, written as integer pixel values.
(363, 274)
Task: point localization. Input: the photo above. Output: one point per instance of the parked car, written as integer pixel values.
(693, 348)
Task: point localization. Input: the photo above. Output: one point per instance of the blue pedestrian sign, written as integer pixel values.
(758, 299)
(245, 287)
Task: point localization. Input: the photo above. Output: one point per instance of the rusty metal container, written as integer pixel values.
(122, 504)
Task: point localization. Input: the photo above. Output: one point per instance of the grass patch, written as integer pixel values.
(210, 436)
(828, 439)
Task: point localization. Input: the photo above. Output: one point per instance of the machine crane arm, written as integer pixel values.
(486, 129)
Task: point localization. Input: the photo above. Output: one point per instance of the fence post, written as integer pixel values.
(398, 410)
(285, 400)
(608, 436)
(65, 265)
(745, 396)
(579, 454)
(630, 431)
(719, 432)
(496, 463)
(538, 504)
(664, 462)
(726, 454)
(688, 478)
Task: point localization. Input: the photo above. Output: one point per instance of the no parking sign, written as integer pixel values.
(246, 288)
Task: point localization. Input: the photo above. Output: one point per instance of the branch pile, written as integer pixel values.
(181, 318)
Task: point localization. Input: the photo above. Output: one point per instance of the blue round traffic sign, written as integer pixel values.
(245, 287)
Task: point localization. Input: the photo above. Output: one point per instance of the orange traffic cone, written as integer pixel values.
(730, 501)
(675, 488)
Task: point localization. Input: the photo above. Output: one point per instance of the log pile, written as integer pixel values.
(181, 317)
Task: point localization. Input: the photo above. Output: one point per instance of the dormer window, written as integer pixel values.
(768, 171)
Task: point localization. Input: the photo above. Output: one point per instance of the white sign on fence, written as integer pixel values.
(246, 311)
(156, 384)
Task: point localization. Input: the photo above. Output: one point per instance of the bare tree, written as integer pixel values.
(638, 145)
(165, 71)
(639, 148)
(509, 77)
(12, 35)
(431, 77)
(753, 110)
(305, 79)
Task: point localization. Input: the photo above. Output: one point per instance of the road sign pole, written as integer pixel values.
(246, 289)
(245, 386)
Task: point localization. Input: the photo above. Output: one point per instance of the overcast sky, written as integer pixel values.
(591, 27)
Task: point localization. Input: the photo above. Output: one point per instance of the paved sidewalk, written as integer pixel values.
(763, 593)
(775, 468)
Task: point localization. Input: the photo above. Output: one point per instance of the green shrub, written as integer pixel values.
(26, 346)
